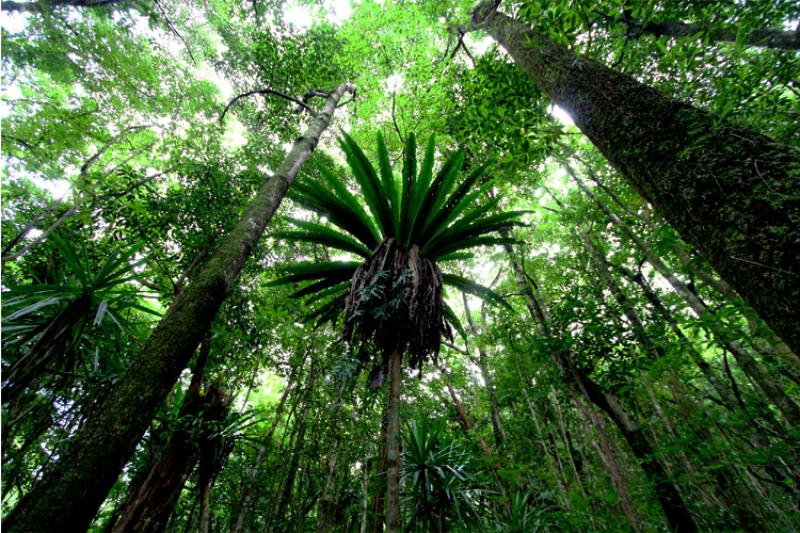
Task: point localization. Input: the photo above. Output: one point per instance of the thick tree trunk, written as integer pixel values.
(393, 443)
(732, 193)
(151, 505)
(70, 494)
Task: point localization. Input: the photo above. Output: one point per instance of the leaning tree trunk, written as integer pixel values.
(152, 503)
(393, 443)
(732, 193)
(70, 494)
(266, 444)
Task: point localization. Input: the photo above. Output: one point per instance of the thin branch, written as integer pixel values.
(175, 31)
(93, 159)
(461, 45)
(394, 119)
(266, 92)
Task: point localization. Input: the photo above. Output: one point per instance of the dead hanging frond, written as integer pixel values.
(395, 303)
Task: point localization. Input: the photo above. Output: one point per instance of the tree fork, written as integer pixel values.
(68, 497)
(732, 193)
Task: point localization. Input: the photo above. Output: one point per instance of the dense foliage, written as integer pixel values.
(604, 376)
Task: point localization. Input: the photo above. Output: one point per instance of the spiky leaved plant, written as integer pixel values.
(392, 299)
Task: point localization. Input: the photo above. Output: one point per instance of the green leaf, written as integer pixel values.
(484, 293)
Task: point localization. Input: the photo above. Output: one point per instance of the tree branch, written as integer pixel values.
(266, 92)
(175, 31)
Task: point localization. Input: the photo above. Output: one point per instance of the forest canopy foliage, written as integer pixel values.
(576, 309)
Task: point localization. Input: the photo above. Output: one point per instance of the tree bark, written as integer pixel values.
(252, 472)
(607, 452)
(297, 446)
(151, 505)
(326, 511)
(377, 512)
(498, 432)
(68, 497)
(393, 443)
(732, 193)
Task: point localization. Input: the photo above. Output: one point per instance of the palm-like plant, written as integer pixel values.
(405, 231)
(46, 324)
(392, 297)
(436, 473)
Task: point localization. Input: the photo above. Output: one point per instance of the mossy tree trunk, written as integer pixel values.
(152, 503)
(68, 497)
(732, 193)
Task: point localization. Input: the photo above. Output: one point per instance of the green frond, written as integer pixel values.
(328, 312)
(335, 290)
(338, 212)
(457, 256)
(341, 192)
(340, 270)
(420, 191)
(389, 186)
(367, 179)
(468, 227)
(450, 249)
(438, 191)
(318, 234)
(460, 200)
(470, 287)
(409, 175)
(453, 320)
(319, 286)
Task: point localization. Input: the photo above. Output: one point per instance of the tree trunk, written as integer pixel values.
(466, 425)
(730, 192)
(675, 510)
(607, 452)
(393, 443)
(377, 513)
(205, 507)
(151, 505)
(326, 512)
(771, 386)
(68, 497)
(252, 472)
(297, 446)
(498, 432)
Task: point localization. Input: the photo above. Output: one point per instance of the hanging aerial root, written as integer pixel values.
(395, 303)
